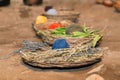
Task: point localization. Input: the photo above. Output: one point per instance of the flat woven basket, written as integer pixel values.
(49, 38)
(64, 15)
(79, 55)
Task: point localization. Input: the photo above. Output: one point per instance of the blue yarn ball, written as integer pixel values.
(60, 43)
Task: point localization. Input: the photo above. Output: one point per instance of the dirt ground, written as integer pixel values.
(15, 26)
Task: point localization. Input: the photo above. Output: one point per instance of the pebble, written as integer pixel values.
(95, 77)
(99, 1)
(97, 69)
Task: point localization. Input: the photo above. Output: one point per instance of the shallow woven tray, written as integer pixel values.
(61, 65)
(49, 39)
(62, 58)
(64, 15)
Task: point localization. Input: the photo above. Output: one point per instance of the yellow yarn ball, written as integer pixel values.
(41, 19)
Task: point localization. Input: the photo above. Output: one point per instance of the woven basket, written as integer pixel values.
(49, 38)
(63, 58)
(64, 15)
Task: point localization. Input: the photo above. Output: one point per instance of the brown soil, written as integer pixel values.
(15, 26)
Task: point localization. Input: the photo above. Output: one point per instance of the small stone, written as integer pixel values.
(97, 69)
(99, 1)
(94, 77)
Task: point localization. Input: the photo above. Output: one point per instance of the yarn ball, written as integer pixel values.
(60, 43)
(52, 12)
